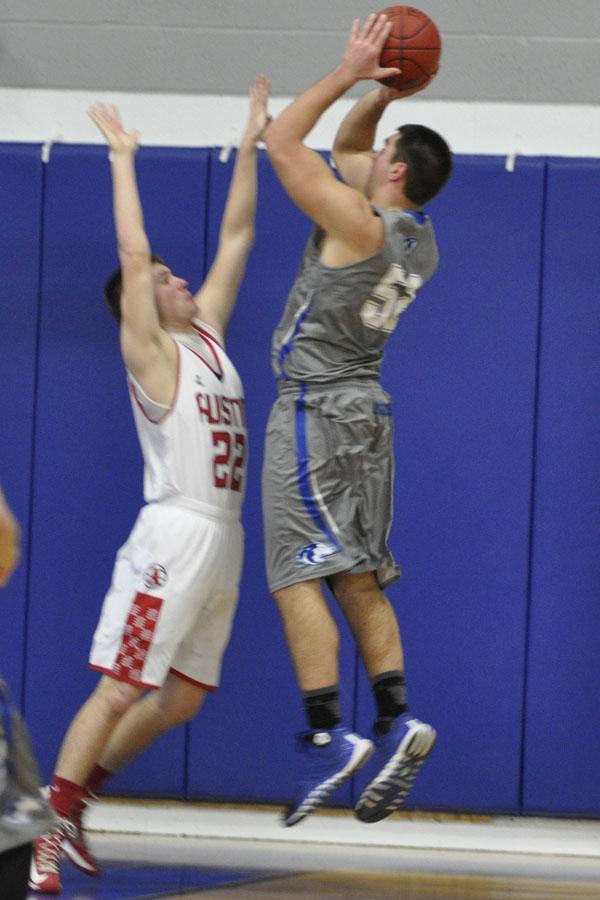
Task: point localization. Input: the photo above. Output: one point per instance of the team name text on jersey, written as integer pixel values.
(218, 410)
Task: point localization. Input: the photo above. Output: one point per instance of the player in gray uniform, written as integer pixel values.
(326, 354)
(328, 468)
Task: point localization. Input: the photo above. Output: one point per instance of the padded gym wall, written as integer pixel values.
(562, 737)
(21, 175)
(87, 479)
(461, 370)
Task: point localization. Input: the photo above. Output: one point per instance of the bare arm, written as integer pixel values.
(353, 145)
(337, 208)
(217, 296)
(9, 541)
(149, 353)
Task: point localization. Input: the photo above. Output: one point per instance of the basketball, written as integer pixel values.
(413, 45)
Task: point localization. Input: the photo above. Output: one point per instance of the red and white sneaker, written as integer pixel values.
(74, 844)
(44, 875)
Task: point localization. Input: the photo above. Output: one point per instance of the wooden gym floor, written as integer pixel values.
(244, 853)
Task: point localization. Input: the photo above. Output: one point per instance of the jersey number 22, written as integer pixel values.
(228, 461)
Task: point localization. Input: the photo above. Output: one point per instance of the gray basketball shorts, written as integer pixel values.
(327, 486)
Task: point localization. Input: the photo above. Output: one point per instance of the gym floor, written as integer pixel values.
(163, 850)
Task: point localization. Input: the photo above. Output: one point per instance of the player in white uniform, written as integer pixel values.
(167, 616)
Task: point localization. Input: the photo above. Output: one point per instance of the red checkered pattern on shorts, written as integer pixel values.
(137, 637)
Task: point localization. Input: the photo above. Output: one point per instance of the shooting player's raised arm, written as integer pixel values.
(355, 138)
(307, 178)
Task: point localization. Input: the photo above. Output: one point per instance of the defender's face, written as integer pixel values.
(174, 301)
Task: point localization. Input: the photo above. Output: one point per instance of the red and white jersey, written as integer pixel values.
(196, 449)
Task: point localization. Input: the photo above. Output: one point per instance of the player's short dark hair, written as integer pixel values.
(428, 158)
(114, 287)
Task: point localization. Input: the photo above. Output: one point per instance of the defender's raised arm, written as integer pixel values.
(216, 297)
(148, 352)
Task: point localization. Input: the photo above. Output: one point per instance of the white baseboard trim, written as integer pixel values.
(503, 834)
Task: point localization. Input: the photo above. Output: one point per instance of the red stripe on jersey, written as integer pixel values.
(209, 339)
(218, 371)
(137, 638)
(207, 687)
(207, 334)
(143, 410)
(170, 409)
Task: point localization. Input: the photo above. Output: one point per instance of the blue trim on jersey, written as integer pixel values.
(303, 468)
(286, 349)
(420, 217)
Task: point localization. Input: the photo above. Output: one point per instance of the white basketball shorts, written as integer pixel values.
(173, 596)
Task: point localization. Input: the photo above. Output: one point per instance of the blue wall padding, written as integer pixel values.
(498, 608)
(242, 746)
(562, 746)
(88, 466)
(461, 369)
(21, 176)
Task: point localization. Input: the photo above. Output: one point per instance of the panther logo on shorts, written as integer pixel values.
(316, 553)
(155, 576)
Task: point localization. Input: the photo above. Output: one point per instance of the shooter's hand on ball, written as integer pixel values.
(361, 56)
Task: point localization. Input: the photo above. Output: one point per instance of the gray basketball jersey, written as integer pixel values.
(337, 320)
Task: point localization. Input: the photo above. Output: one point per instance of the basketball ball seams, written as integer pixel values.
(414, 45)
(398, 40)
(402, 49)
(413, 34)
(433, 39)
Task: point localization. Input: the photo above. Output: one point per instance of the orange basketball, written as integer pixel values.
(413, 45)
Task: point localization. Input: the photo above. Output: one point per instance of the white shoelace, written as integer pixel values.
(46, 857)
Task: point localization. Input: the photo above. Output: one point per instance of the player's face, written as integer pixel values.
(174, 301)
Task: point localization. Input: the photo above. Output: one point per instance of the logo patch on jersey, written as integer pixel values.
(316, 553)
(383, 409)
(409, 244)
(155, 576)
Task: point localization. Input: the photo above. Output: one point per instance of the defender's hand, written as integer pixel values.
(259, 117)
(108, 120)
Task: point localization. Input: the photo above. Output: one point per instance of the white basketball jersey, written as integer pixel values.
(196, 449)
